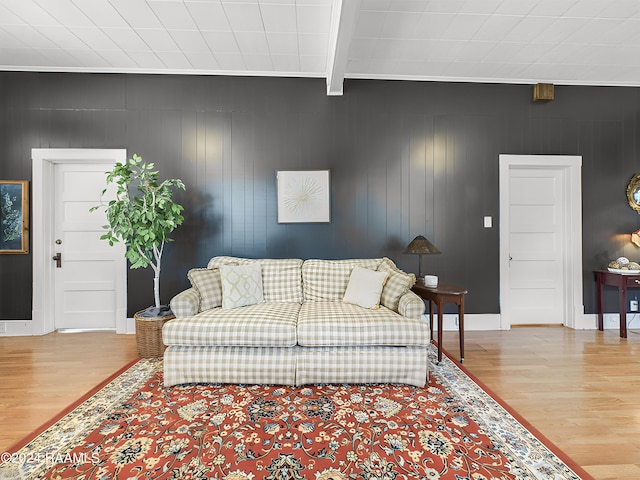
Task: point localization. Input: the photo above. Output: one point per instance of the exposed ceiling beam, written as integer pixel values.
(343, 23)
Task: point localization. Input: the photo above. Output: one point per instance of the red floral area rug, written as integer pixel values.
(134, 428)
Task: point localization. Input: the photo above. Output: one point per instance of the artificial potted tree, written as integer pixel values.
(142, 215)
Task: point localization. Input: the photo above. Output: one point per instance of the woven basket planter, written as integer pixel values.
(149, 335)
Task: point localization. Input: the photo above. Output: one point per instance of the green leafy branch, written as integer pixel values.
(142, 215)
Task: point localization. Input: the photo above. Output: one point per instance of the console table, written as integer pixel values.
(439, 296)
(622, 281)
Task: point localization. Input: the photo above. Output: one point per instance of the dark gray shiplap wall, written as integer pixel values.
(407, 158)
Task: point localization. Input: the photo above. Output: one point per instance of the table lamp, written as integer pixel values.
(421, 246)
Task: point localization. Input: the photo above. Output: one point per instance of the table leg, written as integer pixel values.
(431, 320)
(623, 311)
(440, 332)
(600, 302)
(461, 327)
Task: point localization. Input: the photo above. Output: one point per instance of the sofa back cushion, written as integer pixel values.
(281, 278)
(398, 283)
(327, 280)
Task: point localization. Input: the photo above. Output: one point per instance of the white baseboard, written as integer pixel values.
(588, 322)
(611, 321)
(492, 321)
(130, 327)
(28, 328)
(18, 328)
(472, 321)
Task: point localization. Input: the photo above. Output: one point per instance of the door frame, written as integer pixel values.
(42, 233)
(571, 166)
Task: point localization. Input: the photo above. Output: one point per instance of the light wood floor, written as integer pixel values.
(41, 376)
(581, 389)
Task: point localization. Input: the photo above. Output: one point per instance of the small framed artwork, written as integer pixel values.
(303, 196)
(14, 216)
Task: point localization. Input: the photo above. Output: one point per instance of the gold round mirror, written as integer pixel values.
(633, 192)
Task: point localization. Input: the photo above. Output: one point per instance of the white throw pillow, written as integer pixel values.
(241, 285)
(365, 287)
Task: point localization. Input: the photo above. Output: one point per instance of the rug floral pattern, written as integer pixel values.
(449, 429)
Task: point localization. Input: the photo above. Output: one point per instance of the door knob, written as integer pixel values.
(58, 258)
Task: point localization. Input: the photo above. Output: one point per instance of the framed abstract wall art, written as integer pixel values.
(14, 216)
(303, 196)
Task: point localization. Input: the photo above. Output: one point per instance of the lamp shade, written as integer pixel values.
(421, 246)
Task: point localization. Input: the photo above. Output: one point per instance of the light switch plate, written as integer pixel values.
(488, 222)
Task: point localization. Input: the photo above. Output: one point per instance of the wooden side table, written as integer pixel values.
(622, 281)
(439, 296)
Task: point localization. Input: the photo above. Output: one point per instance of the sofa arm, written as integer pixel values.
(411, 305)
(186, 303)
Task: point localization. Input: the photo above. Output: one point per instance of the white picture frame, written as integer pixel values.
(303, 196)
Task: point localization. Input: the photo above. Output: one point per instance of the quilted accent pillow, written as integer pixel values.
(241, 285)
(207, 283)
(397, 284)
(364, 287)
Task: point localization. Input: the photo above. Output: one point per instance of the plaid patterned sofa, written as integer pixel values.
(303, 333)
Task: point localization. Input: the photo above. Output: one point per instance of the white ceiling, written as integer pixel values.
(575, 42)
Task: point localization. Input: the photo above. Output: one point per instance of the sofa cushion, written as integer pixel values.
(341, 324)
(229, 365)
(364, 287)
(207, 283)
(281, 278)
(262, 325)
(362, 365)
(241, 285)
(326, 280)
(398, 283)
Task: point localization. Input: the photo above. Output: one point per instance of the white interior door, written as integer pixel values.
(541, 240)
(536, 246)
(86, 280)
